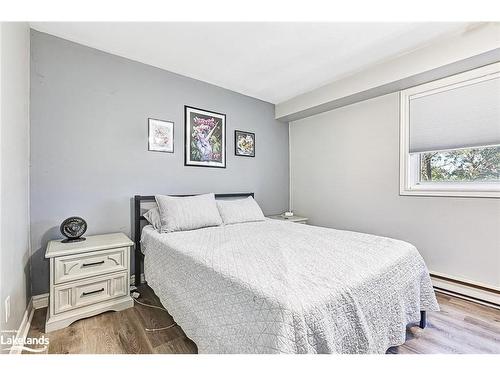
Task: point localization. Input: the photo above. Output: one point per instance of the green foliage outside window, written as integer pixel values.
(463, 165)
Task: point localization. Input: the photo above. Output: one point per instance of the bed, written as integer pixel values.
(280, 287)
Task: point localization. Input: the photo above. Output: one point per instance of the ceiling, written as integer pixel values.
(269, 61)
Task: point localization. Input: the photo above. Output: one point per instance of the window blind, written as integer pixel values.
(464, 116)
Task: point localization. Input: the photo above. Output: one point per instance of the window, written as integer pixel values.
(450, 136)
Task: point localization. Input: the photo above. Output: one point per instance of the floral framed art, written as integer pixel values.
(204, 138)
(160, 135)
(244, 143)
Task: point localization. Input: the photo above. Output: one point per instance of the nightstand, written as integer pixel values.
(88, 278)
(293, 219)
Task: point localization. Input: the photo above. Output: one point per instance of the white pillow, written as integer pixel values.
(186, 213)
(239, 210)
(153, 217)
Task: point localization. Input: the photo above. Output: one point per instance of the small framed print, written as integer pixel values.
(160, 135)
(204, 138)
(244, 143)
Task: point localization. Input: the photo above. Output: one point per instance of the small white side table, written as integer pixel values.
(88, 278)
(293, 219)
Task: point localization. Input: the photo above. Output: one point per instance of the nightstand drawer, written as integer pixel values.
(90, 291)
(75, 267)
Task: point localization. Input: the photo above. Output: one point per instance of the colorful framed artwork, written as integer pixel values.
(244, 143)
(160, 135)
(204, 138)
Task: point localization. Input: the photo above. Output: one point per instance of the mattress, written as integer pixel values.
(280, 287)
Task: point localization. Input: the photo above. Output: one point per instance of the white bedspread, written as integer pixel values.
(279, 287)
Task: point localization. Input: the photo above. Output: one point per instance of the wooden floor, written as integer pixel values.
(460, 327)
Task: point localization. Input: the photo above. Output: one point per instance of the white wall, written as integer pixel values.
(14, 170)
(344, 174)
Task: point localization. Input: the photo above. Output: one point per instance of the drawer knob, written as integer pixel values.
(93, 292)
(92, 264)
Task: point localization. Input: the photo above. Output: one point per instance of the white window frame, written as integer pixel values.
(409, 165)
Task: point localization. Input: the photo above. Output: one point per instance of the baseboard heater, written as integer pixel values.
(480, 293)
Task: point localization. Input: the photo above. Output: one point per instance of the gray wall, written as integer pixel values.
(14, 167)
(345, 174)
(89, 155)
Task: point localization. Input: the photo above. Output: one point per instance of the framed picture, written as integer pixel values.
(160, 135)
(244, 143)
(204, 138)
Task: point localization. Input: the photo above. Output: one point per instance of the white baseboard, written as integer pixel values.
(36, 302)
(40, 301)
(24, 327)
(480, 293)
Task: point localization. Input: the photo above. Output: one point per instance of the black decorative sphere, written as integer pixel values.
(73, 229)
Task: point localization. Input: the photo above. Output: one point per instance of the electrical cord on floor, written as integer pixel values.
(134, 297)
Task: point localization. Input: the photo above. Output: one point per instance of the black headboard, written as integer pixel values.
(138, 199)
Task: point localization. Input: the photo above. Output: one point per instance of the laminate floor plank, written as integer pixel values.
(180, 345)
(156, 319)
(131, 334)
(69, 340)
(99, 335)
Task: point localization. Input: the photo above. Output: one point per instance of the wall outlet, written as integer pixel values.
(7, 309)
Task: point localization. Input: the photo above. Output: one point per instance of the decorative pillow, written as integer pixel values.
(153, 217)
(239, 210)
(186, 213)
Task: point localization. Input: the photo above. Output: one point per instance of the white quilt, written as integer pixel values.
(279, 287)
